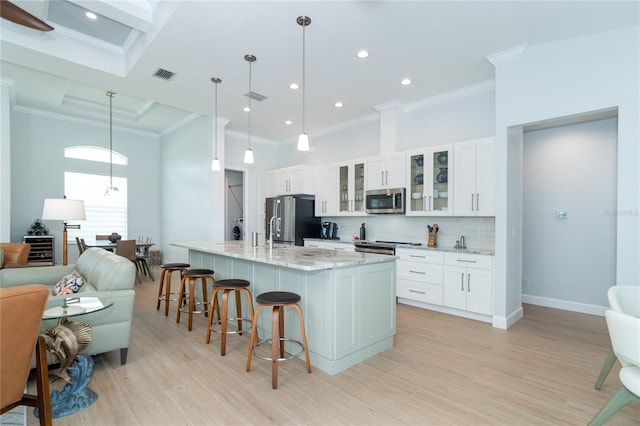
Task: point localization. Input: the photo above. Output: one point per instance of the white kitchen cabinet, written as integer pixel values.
(468, 282)
(351, 180)
(326, 202)
(330, 245)
(386, 172)
(474, 178)
(428, 178)
(295, 180)
(419, 275)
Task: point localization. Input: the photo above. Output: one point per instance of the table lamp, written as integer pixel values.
(64, 209)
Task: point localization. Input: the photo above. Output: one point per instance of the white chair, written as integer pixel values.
(624, 331)
(625, 299)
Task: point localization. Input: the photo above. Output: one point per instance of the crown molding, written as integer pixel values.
(453, 95)
(78, 120)
(242, 135)
(508, 55)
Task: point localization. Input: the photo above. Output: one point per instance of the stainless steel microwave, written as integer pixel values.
(385, 201)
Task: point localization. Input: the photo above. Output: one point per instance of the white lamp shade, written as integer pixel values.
(215, 165)
(248, 156)
(303, 142)
(63, 209)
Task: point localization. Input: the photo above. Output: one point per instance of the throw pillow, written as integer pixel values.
(69, 284)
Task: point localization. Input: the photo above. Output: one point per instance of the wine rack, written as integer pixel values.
(41, 249)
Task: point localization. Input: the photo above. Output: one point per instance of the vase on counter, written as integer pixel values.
(114, 237)
(443, 176)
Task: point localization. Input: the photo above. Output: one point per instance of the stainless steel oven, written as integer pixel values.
(385, 201)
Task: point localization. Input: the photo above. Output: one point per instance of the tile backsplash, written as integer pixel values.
(479, 232)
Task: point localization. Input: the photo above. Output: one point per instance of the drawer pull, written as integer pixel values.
(417, 272)
(416, 291)
(419, 257)
(466, 261)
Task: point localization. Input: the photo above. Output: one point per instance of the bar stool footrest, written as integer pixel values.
(282, 339)
(229, 323)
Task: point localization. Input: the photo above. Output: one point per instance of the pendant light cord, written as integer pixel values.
(216, 121)
(110, 139)
(304, 74)
(250, 104)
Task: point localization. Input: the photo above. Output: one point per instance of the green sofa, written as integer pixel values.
(106, 275)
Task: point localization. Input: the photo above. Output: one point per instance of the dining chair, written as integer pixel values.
(625, 299)
(21, 309)
(624, 331)
(81, 245)
(127, 249)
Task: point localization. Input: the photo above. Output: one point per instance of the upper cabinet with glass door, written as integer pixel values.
(428, 178)
(351, 179)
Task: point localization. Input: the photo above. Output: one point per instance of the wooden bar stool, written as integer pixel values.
(165, 294)
(228, 286)
(191, 275)
(277, 300)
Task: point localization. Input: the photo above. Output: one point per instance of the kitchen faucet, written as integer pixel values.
(271, 232)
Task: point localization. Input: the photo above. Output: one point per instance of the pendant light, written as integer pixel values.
(215, 163)
(248, 154)
(303, 139)
(110, 189)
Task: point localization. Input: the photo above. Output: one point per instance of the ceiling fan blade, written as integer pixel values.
(13, 13)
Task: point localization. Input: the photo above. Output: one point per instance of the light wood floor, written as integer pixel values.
(443, 370)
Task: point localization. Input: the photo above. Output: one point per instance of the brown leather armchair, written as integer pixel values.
(14, 254)
(21, 310)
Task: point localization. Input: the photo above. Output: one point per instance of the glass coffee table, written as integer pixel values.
(65, 341)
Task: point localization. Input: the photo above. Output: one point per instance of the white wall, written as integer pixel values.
(570, 168)
(559, 79)
(5, 161)
(37, 170)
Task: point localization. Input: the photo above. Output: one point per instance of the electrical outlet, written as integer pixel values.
(525, 281)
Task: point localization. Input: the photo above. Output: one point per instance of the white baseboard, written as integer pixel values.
(564, 305)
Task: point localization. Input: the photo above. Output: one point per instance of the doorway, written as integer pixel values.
(569, 222)
(234, 202)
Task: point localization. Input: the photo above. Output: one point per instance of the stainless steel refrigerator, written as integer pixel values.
(293, 220)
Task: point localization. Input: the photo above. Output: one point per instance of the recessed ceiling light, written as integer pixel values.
(246, 109)
(294, 86)
(338, 104)
(362, 54)
(405, 81)
(91, 15)
(288, 122)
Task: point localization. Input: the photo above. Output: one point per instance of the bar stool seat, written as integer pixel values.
(191, 275)
(227, 286)
(277, 300)
(164, 294)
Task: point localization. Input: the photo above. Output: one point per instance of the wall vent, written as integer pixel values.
(164, 74)
(255, 96)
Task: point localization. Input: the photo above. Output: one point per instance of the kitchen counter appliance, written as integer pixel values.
(293, 221)
(381, 247)
(385, 201)
(329, 231)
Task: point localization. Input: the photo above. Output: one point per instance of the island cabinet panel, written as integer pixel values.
(348, 304)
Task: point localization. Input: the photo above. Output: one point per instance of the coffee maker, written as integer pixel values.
(329, 230)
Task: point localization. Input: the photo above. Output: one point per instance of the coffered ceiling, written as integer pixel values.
(440, 45)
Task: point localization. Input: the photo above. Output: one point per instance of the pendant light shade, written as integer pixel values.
(248, 154)
(303, 139)
(110, 189)
(215, 163)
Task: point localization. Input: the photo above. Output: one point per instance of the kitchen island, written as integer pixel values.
(348, 299)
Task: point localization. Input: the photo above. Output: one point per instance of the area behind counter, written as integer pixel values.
(348, 299)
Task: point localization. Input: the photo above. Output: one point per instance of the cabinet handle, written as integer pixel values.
(418, 272)
(416, 291)
(462, 281)
(471, 202)
(419, 257)
(429, 202)
(424, 203)
(468, 282)
(386, 177)
(477, 201)
(465, 261)
(325, 206)
(382, 178)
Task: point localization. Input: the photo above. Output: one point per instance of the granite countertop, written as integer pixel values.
(288, 256)
(482, 251)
